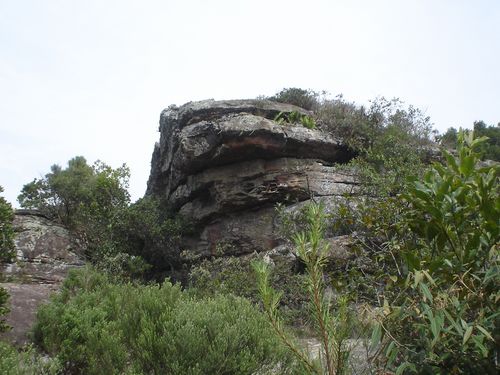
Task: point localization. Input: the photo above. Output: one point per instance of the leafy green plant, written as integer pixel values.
(97, 326)
(445, 320)
(333, 330)
(295, 118)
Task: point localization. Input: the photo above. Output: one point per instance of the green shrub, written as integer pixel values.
(25, 362)
(295, 118)
(147, 229)
(233, 275)
(307, 99)
(96, 326)
(446, 318)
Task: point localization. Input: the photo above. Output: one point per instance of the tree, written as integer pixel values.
(85, 198)
(6, 249)
(489, 149)
(69, 195)
(449, 139)
(6, 230)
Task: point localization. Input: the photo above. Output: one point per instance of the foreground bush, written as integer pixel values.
(95, 326)
(27, 362)
(446, 318)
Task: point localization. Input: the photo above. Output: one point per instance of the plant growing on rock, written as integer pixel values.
(295, 118)
(333, 330)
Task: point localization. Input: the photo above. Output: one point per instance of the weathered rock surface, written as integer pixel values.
(225, 164)
(45, 252)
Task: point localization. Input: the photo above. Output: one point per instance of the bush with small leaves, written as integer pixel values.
(25, 362)
(98, 326)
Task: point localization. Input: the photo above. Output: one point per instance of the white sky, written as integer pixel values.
(91, 77)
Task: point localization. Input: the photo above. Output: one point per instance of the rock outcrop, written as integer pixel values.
(45, 251)
(224, 165)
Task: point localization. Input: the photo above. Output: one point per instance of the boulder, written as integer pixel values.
(224, 165)
(45, 252)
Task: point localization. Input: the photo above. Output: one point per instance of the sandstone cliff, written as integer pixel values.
(225, 164)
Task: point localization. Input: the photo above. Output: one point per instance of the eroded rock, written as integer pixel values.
(224, 165)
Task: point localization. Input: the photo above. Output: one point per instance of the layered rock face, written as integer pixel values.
(45, 252)
(224, 165)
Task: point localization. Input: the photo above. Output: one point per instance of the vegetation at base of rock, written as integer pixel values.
(234, 275)
(6, 251)
(446, 317)
(489, 149)
(96, 325)
(147, 229)
(25, 362)
(332, 329)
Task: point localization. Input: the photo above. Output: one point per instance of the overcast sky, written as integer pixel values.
(91, 77)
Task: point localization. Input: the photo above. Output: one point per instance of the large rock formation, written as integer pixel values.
(45, 251)
(225, 164)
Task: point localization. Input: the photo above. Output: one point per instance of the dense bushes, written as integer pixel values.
(95, 326)
(234, 275)
(393, 141)
(25, 362)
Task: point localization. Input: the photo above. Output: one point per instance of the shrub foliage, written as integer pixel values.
(96, 326)
(446, 317)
